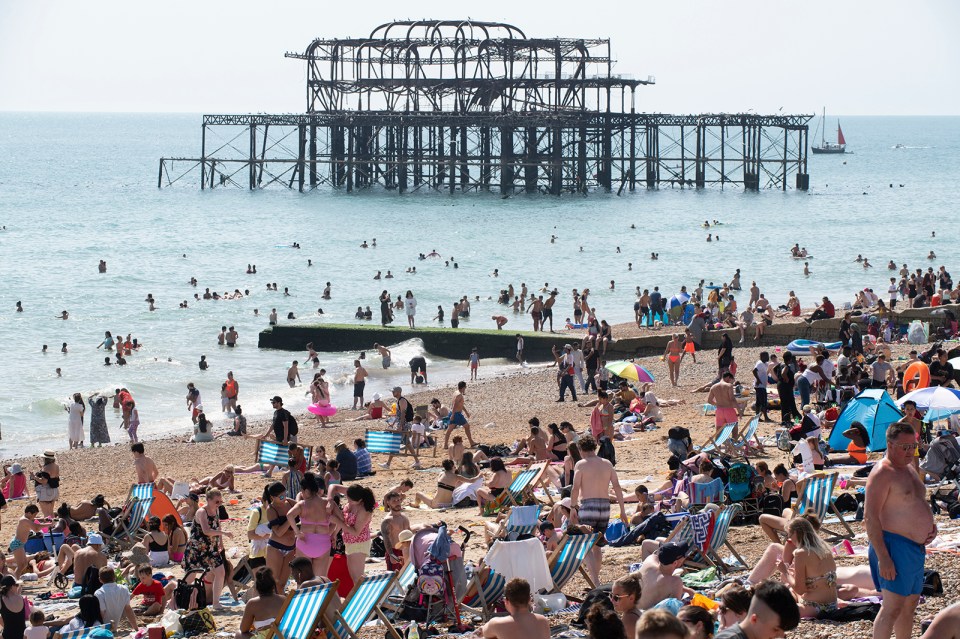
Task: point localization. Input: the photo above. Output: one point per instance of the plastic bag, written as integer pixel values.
(171, 622)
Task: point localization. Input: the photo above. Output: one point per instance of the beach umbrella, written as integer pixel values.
(937, 402)
(678, 300)
(630, 370)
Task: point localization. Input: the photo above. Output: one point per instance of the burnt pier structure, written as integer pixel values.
(464, 105)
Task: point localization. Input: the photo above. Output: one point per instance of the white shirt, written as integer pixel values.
(893, 292)
(828, 367)
(113, 599)
(411, 305)
(519, 344)
(35, 632)
(762, 372)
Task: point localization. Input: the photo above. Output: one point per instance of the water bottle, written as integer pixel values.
(413, 632)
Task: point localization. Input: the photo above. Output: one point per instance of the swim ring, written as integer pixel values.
(916, 376)
(323, 411)
(802, 346)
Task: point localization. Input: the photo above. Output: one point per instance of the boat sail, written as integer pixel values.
(830, 147)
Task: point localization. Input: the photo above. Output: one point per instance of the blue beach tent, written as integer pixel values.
(873, 408)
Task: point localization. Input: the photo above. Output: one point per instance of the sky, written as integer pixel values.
(853, 57)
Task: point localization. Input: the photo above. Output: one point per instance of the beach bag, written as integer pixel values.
(189, 596)
(198, 622)
(615, 531)
(606, 450)
(846, 503)
(864, 611)
(772, 505)
(430, 581)
(596, 597)
(932, 584)
(377, 547)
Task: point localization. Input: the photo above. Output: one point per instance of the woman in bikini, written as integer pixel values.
(499, 482)
(315, 530)
(673, 354)
(557, 444)
(155, 541)
(262, 610)
(282, 542)
(814, 577)
(356, 527)
(176, 538)
(448, 481)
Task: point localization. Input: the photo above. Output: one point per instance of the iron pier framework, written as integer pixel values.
(463, 105)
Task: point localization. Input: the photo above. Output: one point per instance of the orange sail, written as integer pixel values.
(840, 139)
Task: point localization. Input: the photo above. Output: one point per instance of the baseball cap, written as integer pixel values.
(276, 399)
(94, 539)
(672, 551)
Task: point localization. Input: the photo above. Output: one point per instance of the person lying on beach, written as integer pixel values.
(224, 480)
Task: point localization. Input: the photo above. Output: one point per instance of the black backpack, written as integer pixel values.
(596, 597)
(91, 580)
(292, 427)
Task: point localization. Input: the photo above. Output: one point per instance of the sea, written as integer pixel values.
(79, 188)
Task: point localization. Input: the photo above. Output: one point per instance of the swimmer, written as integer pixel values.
(553, 239)
(364, 245)
(932, 256)
(806, 268)
(59, 374)
(388, 276)
(629, 266)
(866, 263)
(326, 291)
(859, 258)
(309, 262)
(613, 285)
(500, 320)
(618, 249)
(710, 237)
(19, 307)
(102, 266)
(374, 243)
(377, 276)
(496, 272)
(63, 315)
(44, 349)
(63, 349)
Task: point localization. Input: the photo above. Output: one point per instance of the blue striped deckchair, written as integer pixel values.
(389, 442)
(817, 497)
(485, 589)
(749, 434)
(523, 520)
(720, 439)
(134, 512)
(524, 481)
(365, 599)
(302, 612)
(708, 493)
(721, 527)
(277, 454)
(568, 559)
(82, 633)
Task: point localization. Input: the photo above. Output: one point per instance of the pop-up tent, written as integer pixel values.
(873, 408)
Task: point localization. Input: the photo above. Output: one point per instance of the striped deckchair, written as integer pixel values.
(485, 589)
(721, 527)
(523, 520)
(82, 633)
(749, 434)
(365, 599)
(134, 513)
(568, 559)
(389, 442)
(684, 533)
(524, 481)
(708, 493)
(302, 612)
(277, 454)
(817, 497)
(720, 439)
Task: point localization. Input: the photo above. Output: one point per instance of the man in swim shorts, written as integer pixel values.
(899, 525)
(384, 353)
(593, 477)
(27, 524)
(722, 396)
(359, 381)
(458, 416)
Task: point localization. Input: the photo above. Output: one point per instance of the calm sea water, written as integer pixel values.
(78, 188)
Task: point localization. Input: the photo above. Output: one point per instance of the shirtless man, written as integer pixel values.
(89, 555)
(293, 374)
(548, 310)
(536, 312)
(722, 396)
(231, 337)
(536, 443)
(899, 525)
(592, 479)
(520, 622)
(384, 353)
(359, 381)
(656, 575)
(26, 525)
(146, 469)
(458, 417)
(390, 528)
(194, 404)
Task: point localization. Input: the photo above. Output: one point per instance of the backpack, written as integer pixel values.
(292, 427)
(430, 581)
(596, 597)
(772, 505)
(846, 503)
(607, 451)
(91, 581)
(738, 481)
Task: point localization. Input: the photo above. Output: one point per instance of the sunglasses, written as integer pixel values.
(616, 598)
(906, 447)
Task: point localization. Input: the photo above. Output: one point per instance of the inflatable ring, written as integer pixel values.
(326, 410)
(916, 376)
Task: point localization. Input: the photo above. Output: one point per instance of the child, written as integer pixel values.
(548, 536)
(332, 476)
(153, 593)
(644, 505)
(419, 432)
(36, 630)
(134, 420)
(474, 363)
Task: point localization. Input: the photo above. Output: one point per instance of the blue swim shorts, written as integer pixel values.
(908, 558)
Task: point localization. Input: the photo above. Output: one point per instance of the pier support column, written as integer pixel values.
(506, 160)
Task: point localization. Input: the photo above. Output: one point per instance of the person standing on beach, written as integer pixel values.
(75, 422)
(536, 312)
(474, 364)
(384, 353)
(593, 478)
(233, 390)
(394, 523)
(293, 374)
(548, 310)
(899, 525)
(98, 420)
(519, 349)
(193, 402)
(359, 381)
(722, 396)
(404, 420)
(565, 362)
(48, 491)
(410, 306)
(458, 417)
(673, 354)
(760, 377)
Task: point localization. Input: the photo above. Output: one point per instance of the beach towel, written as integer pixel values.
(521, 559)
(467, 491)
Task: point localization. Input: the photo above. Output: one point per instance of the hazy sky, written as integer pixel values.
(854, 57)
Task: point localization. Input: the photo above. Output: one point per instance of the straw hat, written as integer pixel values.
(404, 537)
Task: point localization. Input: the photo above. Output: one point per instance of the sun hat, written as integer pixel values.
(376, 397)
(16, 468)
(402, 538)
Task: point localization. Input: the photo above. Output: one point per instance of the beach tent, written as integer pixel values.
(873, 408)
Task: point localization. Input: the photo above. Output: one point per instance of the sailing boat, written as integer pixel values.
(829, 147)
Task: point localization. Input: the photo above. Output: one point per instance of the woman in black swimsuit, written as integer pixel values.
(283, 540)
(557, 443)
(448, 481)
(11, 608)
